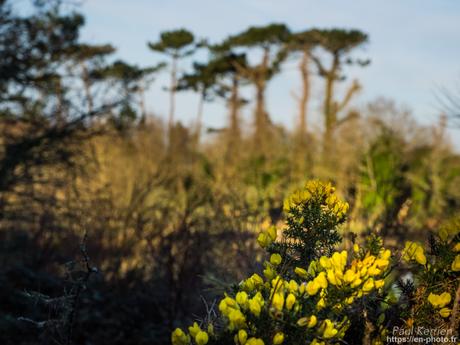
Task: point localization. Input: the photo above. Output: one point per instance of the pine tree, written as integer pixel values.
(269, 40)
(176, 44)
(338, 43)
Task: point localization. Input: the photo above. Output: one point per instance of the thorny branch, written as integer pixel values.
(81, 285)
(69, 302)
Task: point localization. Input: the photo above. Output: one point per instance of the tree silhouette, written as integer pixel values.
(176, 44)
(228, 67)
(304, 43)
(201, 80)
(88, 59)
(129, 79)
(39, 109)
(268, 40)
(338, 43)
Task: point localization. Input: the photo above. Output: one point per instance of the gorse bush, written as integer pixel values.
(436, 293)
(311, 293)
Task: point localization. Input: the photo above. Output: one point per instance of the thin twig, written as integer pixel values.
(80, 287)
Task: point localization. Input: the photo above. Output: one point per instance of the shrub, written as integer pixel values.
(312, 293)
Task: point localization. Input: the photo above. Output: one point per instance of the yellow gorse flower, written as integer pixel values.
(301, 272)
(316, 342)
(329, 329)
(255, 341)
(317, 190)
(312, 287)
(178, 337)
(210, 329)
(278, 338)
(255, 306)
(368, 285)
(379, 283)
(293, 286)
(242, 336)
(321, 280)
(290, 300)
(339, 260)
(321, 304)
(242, 299)
(456, 247)
(194, 330)
(414, 252)
(267, 237)
(439, 301)
(355, 248)
(325, 262)
(310, 322)
(456, 264)
(303, 321)
(278, 301)
(252, 283)
(445, 312)
(350, 275)
(349, 300)
(269, 272)
(333, 277)
(201, 338)
(275, 259)
(236, 319)
(271, 231)
(264, 240)
(385, 254)
(451, 227)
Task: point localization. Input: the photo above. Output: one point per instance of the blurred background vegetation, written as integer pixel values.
(113, 220)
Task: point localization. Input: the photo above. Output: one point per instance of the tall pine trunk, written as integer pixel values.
(233, 133)
(234, 105)
(330, 111)
(305, 96)
(172, 94)
(199, 117)
(87, 87)
(262, 120)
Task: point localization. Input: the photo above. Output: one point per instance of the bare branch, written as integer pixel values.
(354, 88)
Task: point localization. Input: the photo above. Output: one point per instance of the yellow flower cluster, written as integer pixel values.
(440, 302)
(359, 278)
(281, 299)
(200, 337)
(267, 237)
(314, 298)
(414, 252)
(178, 337)
(317, 190)
(450, 228)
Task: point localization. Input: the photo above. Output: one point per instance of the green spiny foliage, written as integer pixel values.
(314, 214)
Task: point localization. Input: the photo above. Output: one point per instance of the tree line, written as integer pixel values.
(322, 52)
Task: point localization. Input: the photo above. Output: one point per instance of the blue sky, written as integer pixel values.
(414, 45)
